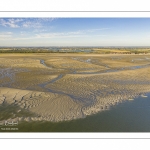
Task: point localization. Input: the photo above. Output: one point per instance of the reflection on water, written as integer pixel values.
(129, 116)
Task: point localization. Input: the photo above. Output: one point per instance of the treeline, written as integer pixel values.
(26, 51)
(37, 51)
(122, 52)
(84, 51)
(140, 51)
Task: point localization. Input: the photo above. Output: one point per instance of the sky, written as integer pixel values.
(74, 32)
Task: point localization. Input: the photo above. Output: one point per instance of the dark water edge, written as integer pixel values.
(129, 116)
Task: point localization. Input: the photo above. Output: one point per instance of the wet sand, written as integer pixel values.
(60, 87)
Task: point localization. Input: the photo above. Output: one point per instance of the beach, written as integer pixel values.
(63, 87)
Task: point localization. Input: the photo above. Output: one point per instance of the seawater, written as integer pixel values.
(129, 116)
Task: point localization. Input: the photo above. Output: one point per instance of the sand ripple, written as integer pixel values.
(68, 87)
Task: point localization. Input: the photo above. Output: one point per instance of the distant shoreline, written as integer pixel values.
(78, 50)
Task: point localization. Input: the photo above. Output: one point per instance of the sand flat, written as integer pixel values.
(59, 87)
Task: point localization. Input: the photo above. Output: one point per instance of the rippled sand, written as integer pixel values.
(58, 87)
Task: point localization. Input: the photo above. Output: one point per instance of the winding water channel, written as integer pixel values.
(86, 101)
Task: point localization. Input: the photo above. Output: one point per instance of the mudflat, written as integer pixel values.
(59, 87)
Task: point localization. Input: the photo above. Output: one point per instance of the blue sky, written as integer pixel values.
(74, 31)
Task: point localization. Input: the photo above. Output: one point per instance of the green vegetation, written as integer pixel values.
(11, 111)
(76, 50)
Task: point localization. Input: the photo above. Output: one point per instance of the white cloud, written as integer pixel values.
(31, 24)
(46, 19)
(25, 22)
(13, 23)
(5, 35)
(94, 30)
(79, 33)
(23, 38)
(39, 30)
(59, 34)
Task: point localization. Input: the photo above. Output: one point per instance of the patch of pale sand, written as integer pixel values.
(22, 63)
(70, 63)
(10, 95)
(21, 94)
(29, 80)
(104, 89)
(89, 70)
(32, 64)
(115, 61)
(59, 108)
(47, 106)
(120, 63)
